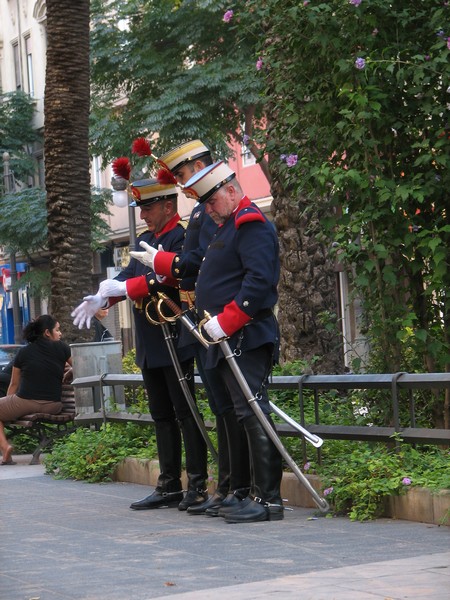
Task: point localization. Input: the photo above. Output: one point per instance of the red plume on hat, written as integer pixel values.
(122, 167)
(141, 147)
(165, 177)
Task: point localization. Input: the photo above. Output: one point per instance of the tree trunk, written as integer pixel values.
(67, 159)
(308, 299)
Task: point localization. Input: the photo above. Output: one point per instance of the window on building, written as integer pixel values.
(29, 66)
(17, 70)
(97, 171)
(40, 170)
(247, 157)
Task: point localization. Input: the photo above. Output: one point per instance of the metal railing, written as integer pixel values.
(389, 382)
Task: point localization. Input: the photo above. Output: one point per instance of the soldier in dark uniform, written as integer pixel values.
(233, 464)
(237, 285)
(168, 405)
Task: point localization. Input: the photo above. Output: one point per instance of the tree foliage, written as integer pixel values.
(361, 93)
(171, 68)
(24, 226)
(25, 229)
(16, 131)
(374, 142)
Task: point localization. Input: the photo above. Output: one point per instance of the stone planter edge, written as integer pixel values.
(418, 504)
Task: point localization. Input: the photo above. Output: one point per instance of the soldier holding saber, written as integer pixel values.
(167, 402)
(233, 482)
(237, 284)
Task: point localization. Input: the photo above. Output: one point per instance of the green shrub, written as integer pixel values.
(92, 455)
(357, 477)
(135, 398)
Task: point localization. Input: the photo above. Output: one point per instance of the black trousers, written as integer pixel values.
(255, 366)
(166, 399)
(218, 395)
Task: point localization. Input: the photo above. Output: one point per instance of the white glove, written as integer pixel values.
(112, 287)
(214, 330)
(87, 309)
(147, 257)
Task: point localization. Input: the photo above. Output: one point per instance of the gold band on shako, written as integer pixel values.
(206, 182)
(149, 191)
(183, 154)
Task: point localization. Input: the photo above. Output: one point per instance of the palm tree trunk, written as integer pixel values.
(67, 158)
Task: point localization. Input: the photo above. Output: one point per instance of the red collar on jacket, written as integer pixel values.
(245, 201)
(169, 225)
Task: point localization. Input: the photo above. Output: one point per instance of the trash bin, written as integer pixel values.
(97, 358)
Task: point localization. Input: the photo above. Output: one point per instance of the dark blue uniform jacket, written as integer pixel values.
(151, 348)
(241, 270)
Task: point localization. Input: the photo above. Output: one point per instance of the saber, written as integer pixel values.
(182, 380)
(313, 439)
(321, 503)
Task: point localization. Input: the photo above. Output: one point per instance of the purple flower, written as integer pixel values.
(307, 466)
(440, 33)
(355, 2)
(283, 157)
(406, 481)
(246, 139)
(360, 63)
(306, 2)
(427, 57)
(291, 160)
(228, 16)
(328, 491)
(448, 43)
(259, 64)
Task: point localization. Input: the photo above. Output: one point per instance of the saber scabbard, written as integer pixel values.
(184, 385)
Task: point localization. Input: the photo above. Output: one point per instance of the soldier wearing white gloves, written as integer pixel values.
(167, 403)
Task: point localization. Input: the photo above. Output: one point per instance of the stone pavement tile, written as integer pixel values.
(418, 578)
(81, 541)
(21, 469)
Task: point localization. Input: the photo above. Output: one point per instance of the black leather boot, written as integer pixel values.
(196, 453)
(168, 491)
(223, 483)
(234, 501)
(239, 466)
(264, 502)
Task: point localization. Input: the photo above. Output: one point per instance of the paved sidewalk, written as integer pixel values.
(72, 540)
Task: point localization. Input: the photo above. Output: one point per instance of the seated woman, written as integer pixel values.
(37, 376)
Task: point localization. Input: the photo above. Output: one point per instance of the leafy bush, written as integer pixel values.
(357, 477)
(92, 455)
(135, 398)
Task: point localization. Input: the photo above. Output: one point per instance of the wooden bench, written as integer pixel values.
(45, 428)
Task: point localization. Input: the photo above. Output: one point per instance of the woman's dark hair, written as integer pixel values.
(35, 329)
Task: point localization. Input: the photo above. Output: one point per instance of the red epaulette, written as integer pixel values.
(248, 214)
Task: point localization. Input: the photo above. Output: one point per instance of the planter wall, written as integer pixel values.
(418, 504)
